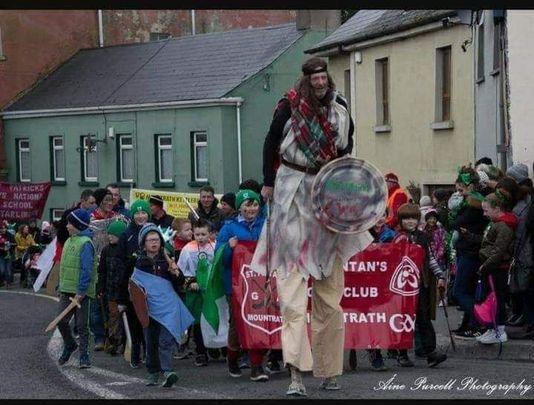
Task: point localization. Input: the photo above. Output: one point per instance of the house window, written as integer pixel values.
(158, 36)
(56, 214)
(443, 84)
(24, 162)
(199, 152)
(382, 91)
(89, 160)
(164, 163)
(497, 47)
(480, 52)
(347, 88)
(126, 158)
(57, 158)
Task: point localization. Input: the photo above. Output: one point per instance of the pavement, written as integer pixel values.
(514, 350)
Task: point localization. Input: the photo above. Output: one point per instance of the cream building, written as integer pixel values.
(410, 87)
(520, 30)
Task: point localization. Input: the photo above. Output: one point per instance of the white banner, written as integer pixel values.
(45, 263)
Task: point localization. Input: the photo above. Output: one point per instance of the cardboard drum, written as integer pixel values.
(349, 195)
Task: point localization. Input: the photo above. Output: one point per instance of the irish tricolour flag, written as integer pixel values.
(215, 311)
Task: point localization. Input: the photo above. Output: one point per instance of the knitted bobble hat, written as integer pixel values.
(116, 228)
(139, 205)
(245, 195)
(79, 218)
(149, 227)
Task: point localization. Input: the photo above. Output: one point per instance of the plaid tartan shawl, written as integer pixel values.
(314, 133)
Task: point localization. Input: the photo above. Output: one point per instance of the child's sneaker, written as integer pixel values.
(170, 379)
(65, 355)
(404, 361)
(84, 360)
(244, 361)
(152, 379)
(486, 334)
(201, 360)
(182, 352)
(257, 374)
(273, 367)
(233, 369)
(377, 361)
(495, 337)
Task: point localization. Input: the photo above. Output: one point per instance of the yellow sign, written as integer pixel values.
(173, 202)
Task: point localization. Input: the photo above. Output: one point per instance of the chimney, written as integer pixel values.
(318, 20)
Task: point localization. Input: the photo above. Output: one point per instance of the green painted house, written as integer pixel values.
(171, 115)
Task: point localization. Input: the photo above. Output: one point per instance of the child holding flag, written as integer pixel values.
(168, 317)
(246, 226)
(197, 255)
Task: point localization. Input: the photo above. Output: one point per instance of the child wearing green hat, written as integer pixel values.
(246, 226)
(127, 251)
(110, 274)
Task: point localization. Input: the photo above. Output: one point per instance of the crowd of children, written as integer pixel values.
(481, 230)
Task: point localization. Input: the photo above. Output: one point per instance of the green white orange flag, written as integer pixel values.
(215, 313)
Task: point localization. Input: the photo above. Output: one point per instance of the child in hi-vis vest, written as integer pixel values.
(77, 279)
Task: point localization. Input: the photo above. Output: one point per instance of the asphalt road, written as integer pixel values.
(28, 370)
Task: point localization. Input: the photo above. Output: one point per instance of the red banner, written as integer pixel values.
(23, 201)
(379, 299)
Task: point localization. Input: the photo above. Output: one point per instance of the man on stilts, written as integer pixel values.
(311, 126)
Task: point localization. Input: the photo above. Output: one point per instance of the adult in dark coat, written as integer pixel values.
(207, 209)
(159, 215)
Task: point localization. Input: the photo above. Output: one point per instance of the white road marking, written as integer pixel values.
(80, 377)
(119, 383)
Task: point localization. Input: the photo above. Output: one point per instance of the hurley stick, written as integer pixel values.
(195, 214)
(57, 319)
(128, 347)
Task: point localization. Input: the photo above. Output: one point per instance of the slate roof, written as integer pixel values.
(368, 24)
(196, 67)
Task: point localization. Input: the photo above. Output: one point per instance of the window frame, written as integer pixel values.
(158, 149)
(84, 150)
(53, 210)
(443, 87)
(497, 27)
(159, 36)
(20, 150)
(120, 160)
(194, 159)
(53, 159)
(480, 53)
(383, 92)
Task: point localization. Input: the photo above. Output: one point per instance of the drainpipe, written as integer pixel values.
(100, 29)
(193, 22)
(239, 159)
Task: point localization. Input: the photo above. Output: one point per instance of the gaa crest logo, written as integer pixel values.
(406, 278)
(260, 308)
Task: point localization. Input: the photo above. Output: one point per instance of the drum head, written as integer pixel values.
(349, 195)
